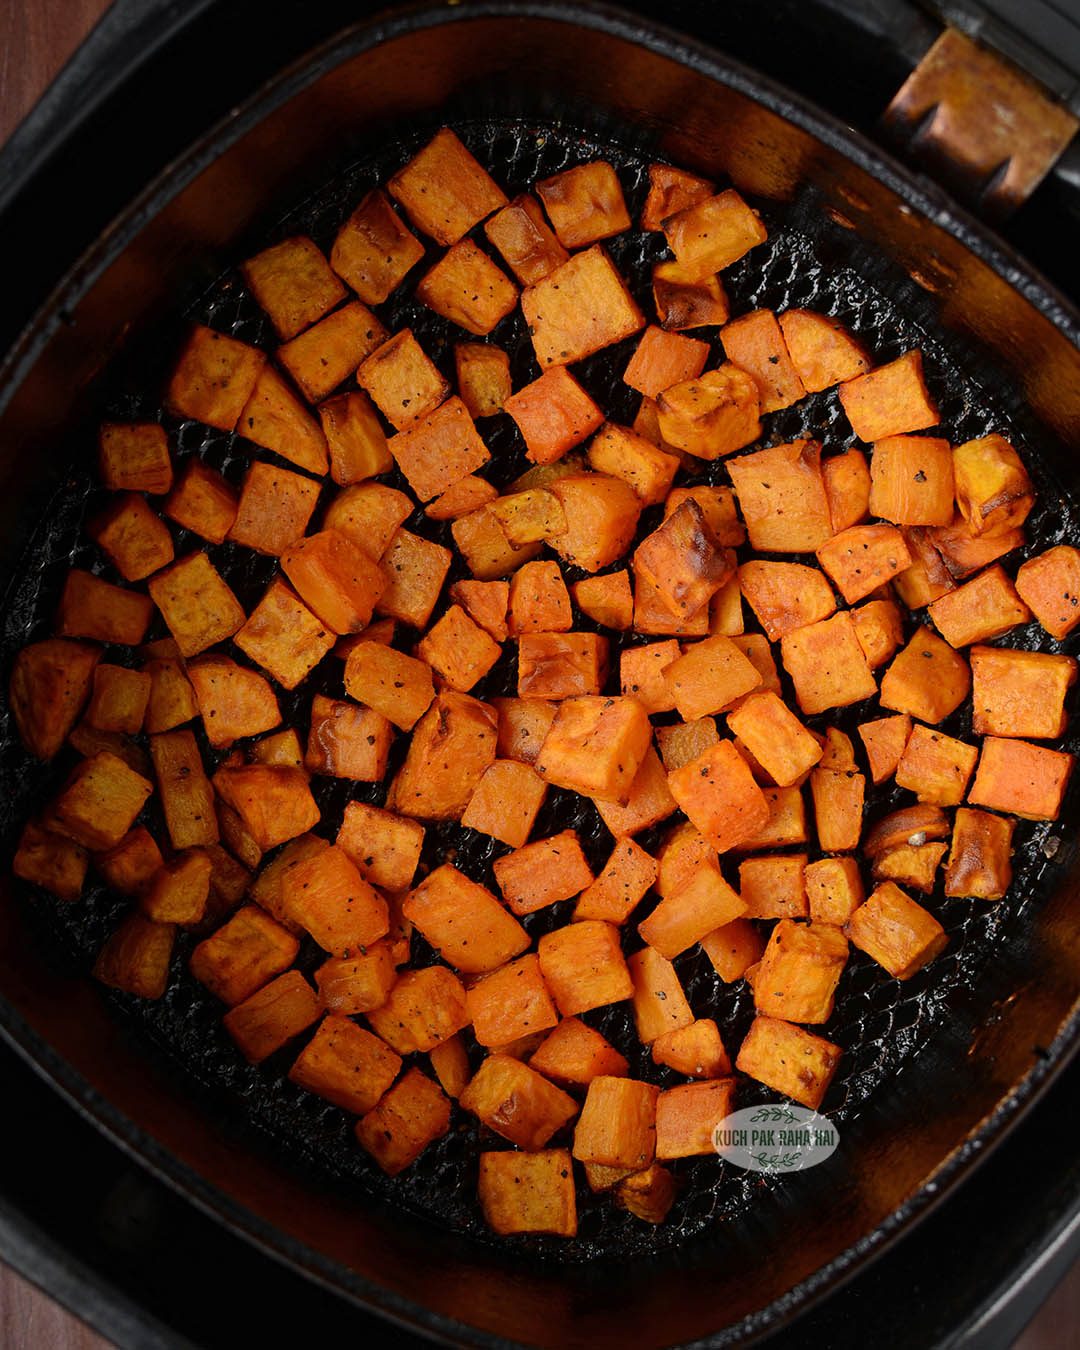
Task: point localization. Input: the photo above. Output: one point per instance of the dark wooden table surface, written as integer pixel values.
(36, 38)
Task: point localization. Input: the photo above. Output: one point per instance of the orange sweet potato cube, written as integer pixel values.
(578, 308)
(543, 873)
(274, 802)
(135, 540)
(896, 931)
(993, 491)
(774, 887)
(786, 823)
(717, 504)
(483, 544)
(864, 557)
(412, 1115)
(889, 400)
(451, 746)
(683, 562)
(51, 860)
(134, 457)
(583, 966)
(834, 890)
(706, 902)
(187, 798)
(506, 802)
(483, 377)
(198, 606)
(584, 204)
(464, 922)
(607, 600)
(523, 724)
(782, 497)
(927, 680)
(561, 665)
(347, 741)
(979, 862)
(331, 350)
(712, 416)
(510, 1002)
(641, 674)
(272, 1016)
(710, 677)
(526, 242)
(822, 350)
(129, 865)
(346, 1065)
(662, 359)
(467, 288)
(458, 650)
(617, 1126)
(884, 739)
(754, 342)
(335, 579)
(671, 190)
(981, 609)
(179, 889)
(827, 665)
(927, 578)
(355, 439)
(574, 1053)
(695, 1051)
(936, 767)
(963, 552)
(616, 892)
(396, 686)
(276, 419)
(776, 738)
(785, 596)
(838, 808)
(233, 701)
(911, 480)
(385, 847)
(879, 628)
(402, 380)
(136, 957)
(713, 233)
(794, 1062)
(601, 519)
(1050, 585)
(553, 415)
(203, 501)
(528, 1192)
(682, 303)
(119, 699)
(653, 617)
(687, 1116)
(416, 569)
(50, 683)
(99, 802)
(622, 453)
(595, 746)
(538, 600)
(734, 948)
(1016, 693)
(425, 1008)
(213, 378)
(910, 865)
(1021, 779)
(798, 973)
(293, 283)
(659, 1001)
(283, 636)
(847, 488)
(444, 190)
(685, 741)
(92, 608)
(718, 793)
(517, 1103)
(357, 983)
(374, 250)
(243, 955)
(486, 603)
(327, 896)
(450, 1060)
(650, 800)
(436, 450)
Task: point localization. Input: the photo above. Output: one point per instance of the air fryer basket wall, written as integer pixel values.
(691, 108)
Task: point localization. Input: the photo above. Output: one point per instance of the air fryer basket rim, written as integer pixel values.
(921, 196)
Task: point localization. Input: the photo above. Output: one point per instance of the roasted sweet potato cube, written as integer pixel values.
(99, 802)
(425, 1007)
(243, 955)
(838, 807)
(276, 419)
(862, 558)
(889, 400)
(327, 896)
(517, 1103)
(682, 561)
(718, 793)
(86, 740)
(336, 579)
(204, 501)
(682, 303)
(134, 457)
(523, 237)
(197, 605)
(774, 886)
(437, 450)
(451, 746)
(293, 283)
(575, 1053)
(879, 629)
(682, 851)
(827, 665)
(712, 416)
(641, 674)
(617, 1126)
(993, 490)
(717, 504)
(119, 699)
(927, 680)
(458, 650)
(1050, 585)
(583, 966)
(834, 890)
(1016, 693)
(713, 233)
(936, 767)
(653, 617)
(601, 519)
(981, 609)
(553, 415)
(283, 636)
(584, 204)
(416, 569)
(896, 931)
(648, 1195)
(134, 538)
(272, 1016)
(464, 922)
(355, 439)
(687, 1116)
(385, 847)
(561, 665)
(964, 553)
(450, 1060)
(357, 983)
(178, 891)
(785, 596)
(274, 802)
(233, 701)
(528, 1192)
(578, 308)
(616, 892)
(659, 1002)
(483, 377)
(662, 359)
(620, 452)
(775, 737)
(374, 250)
(213, 378)
(798, 973)
(506, 802)
(92, 608)
(510, 1002)
(911, 865)
(789, 1059)
(911, 480)
(50, 683)
(346, 1065)
(397, 686)
(186, 795)
(1024, 780)
(347, 741)
(710, 677)
(927, 578)
(467, 288)
(268, 888)
(786, 823)
(607, 600)
(332, 349)
(685, 741)
(538, 600)
(755, 343)
(979, 862)
(704, 903)
(136, 957)
(884, 739)
(695, 1051)
(782, 497)
(486, 603)
(483, 544)
(402, 381)
(444, 190)
(595, 746)
(650, 800)
(50, 860)
(671, 190)
(822, 350)
(543, 873)
(128, 865)
(412, 1115)
(847, 488)
(734, 948)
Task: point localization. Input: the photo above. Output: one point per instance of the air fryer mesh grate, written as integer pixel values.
(880, 1023)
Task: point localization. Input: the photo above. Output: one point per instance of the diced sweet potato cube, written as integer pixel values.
(483, 377)
(272, 1016)
(734, 948)
(682, 303)
(648, 1195)
(538, 600)
(755, 343)
(397, 686)
(774, 887)
(528, 1192)
(464, 922)
(523, 237)
(213, 378)
(451, 746)
(523, 724)
(912, 865)
(785, 596)
(695, 1051)
(425, 1007)
(936, 767)
(896, 931)
(93, 608)
(601, 519)
(506, 802)
(459, 650)
(203, 501)
(233, 702)
(789, 1059)
(268, 888)
(467, 288)
(357, 983)
(50, 683)
(911, 480)
(332, 349)
(517, 1103)
(650, 800)
(822, 350)
(718, 793)
(662, 359)
(293, 283)
(136, 957)
(438, 449)
(444, 190)
(685, 741)
(416, 569)
(1050, 585)
(335, 579)
(135, 540)
(798, 974)
(118, 702)
(983, 608)
(620, 452)
(385, 847)
(687, 1116)
(488, 553)
(275, 418)
(714, 233)
(450, 1060)
(671, 190)
(964, 553)
(402, 381)
(275, 803)
(710, 677)
(327, 896)
(486, 603)
(99, 802)
(838, 806)
(179, 889)
(653, 617)
(659, 1002)
(827, 665)
(465, 496)
(86, 740)
(412, 1115)
(543, 873)
(927, 680)
(884, 739)
(355, 438)
(911, 824)
(243, 955)
(284, 636)
(607, 600)
(186, 795)
(862, 558)
(641, 674)
(927, 578)
(617, 1126)
(553, 415)
(834, 890)
(575, 1053)
(374, 250)
(584, 204)
(583, 966)
(682, 561)
(511, 1001)
(134, 457)
(561, 665)
(51, 860)
(627, 875)
(706, 902)
(775, 737)
(847, 488)
(1024, 780)
(879, 628)
(712, 416)
(786, 823)
(595, 746)
(198, 607)
(979, 862)
(1016, 693)
(347, 741)
(346, 1065)
(782, 497)
(993, 490)
(578, 308)
(889, 400)
(717, 504)
(128, 865)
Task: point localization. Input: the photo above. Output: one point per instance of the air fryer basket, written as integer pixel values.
(925, 1062)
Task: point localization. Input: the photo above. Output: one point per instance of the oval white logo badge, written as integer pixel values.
(784, 1138)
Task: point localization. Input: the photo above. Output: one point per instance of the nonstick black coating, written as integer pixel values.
(880, 1023)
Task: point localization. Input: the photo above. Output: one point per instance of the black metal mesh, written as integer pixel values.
(880, 1023)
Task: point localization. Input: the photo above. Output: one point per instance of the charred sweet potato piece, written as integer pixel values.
(682, 303)
(671, 190)
(543, 873)
(822, 350)
(506, 802)
(578, 308)
(620, 452)
(964, 553)
(451, 746)
(384, 846)
(889, 400)
(706, 902)
(197, 605)
(608, 600)
(834, 890)
(524, 238)
(911, 865)
(92, 608)
(412, 1115)
(347, 741)
(993, 491)
(135, 540)
(782, 497)
(979, 862)
(1050, 585)
(561, 665)
(213, 378)
(274, 802)
(687, 1116)
(927, 680)
(464, 922)
(374, 250)
(733, 949)
(755, 343)
(847, 488)
(827, 664)
(659, 1001)
(134, 457)
(712, 416)
(896, 931)
(862, 558)
(682, 561)
(714, 233)
(467, 288)
(517, 1103)
(584, 204)
(1018, 693)
(792, 1061)
(444, 190)
(911, 480)
(617, 1126)
(528, 1192)
(595, 746)
(718, 793)
(50, 684)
